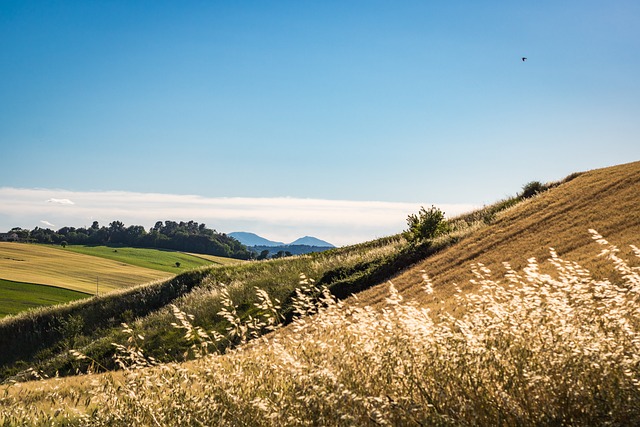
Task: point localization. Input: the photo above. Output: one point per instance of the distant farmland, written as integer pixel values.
(16, 297)
(161, 260)
(45, 265)
(34, 275)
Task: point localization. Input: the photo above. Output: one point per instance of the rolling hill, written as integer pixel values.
(38, 275)
(21, 262)
(311, 241)
(335, 367)
(252, 239)
(607, 200)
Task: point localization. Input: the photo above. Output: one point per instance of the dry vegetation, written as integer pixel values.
(530, 349)
(534, 343)
(217, 259)
(607, 200)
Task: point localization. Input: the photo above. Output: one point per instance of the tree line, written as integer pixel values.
(180, 236)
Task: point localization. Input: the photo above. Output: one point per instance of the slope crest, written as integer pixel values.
(607, 200)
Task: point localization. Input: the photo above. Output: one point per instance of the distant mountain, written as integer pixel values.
(311, 241)
(252, 239)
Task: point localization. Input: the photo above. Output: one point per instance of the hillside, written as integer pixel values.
(607, 200)
(258, 245)
(21, 262)
(364, 365)
(252, 239)
(41, 275)
(311, 241)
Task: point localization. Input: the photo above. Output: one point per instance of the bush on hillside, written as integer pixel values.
(427, 224)
(531, 189)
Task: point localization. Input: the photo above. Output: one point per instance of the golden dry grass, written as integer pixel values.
(607, 200)
(38, 264)
(559, 349)
(539, 352)
(218, 259)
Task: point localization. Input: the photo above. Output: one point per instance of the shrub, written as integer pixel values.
(427, 224)
(531, 189)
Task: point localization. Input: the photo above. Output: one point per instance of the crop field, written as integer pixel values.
(155, 259)
(218, 259)
(16, 296)
(38, 264)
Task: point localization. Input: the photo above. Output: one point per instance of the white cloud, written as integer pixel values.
(284, 219)
(47, 223)
(60, 201)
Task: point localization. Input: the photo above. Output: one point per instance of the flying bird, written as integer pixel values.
(524, 59)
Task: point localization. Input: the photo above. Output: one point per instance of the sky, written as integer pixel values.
(328, 118)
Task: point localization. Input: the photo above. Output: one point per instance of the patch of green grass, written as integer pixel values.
(161, 260)
(16, 296)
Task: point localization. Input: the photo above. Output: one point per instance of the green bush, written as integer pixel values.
(427, 224)
(531, 189)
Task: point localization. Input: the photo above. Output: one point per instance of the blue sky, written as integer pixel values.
(401, 102)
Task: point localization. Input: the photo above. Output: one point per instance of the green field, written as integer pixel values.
(155, 259)
(50, 265)
(39, 275)
(16, 296)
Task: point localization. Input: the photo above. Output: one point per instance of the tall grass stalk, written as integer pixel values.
(528, 349)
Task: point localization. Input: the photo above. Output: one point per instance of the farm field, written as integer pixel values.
(155, 259)
(16, 296)
(38, 264)
(218, 259)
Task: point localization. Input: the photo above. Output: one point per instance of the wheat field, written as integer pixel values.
(21, 262)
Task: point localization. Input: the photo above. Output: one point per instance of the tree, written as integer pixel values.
(282, 254)
(63, 244)
(263, 255)
(116, 232)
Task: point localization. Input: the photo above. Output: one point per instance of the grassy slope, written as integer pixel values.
(22, 262)
(143, 257)
(19, 296)
(218, 259)
(603, 199)
(37, 336)
(16, 296)
(607, 200)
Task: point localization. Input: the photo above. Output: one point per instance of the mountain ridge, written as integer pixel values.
(252, 239)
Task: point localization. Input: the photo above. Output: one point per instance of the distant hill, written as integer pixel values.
(311, 241)
(252, 239)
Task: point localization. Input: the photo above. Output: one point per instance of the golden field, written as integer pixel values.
(21, 262)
